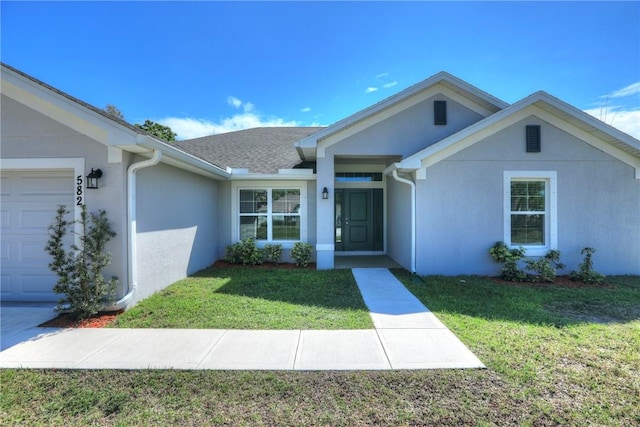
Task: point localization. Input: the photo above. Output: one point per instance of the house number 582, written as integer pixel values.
(79, 190)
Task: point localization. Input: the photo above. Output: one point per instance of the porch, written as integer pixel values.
(364, 261)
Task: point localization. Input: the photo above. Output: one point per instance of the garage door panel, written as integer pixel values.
(45, 185)
(34, 220)
(30, 200)
(32, 254)
(5, 250)
(5, 186)
(33, 284)
(5, 219)
(6, 284)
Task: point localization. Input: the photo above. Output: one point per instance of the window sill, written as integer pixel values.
(533, 250)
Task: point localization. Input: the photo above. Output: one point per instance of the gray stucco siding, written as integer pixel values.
(407, 132)
(27, 134)
(177, 226)
(460, 203)
(226, 223)
(399, 222)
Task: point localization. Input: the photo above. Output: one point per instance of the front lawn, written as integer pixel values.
(554, 357)
(254, 298)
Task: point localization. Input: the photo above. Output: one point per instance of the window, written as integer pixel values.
(530, 211)
(270, 214)
(358, 176)
(439, 112)
(532, 133)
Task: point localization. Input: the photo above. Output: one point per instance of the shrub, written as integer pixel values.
(273, 253)
(232, 254)
(586, 273)
(244, 252)
(501, 253)
(544, 267)
(79, 269)
(301, 253)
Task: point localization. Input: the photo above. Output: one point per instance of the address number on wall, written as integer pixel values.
(79, 190)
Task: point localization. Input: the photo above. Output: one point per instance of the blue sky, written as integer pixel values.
(211, 67)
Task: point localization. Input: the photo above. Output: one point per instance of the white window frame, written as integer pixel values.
(269, 186)
(551, 209)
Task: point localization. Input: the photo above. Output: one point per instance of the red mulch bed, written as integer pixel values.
(561, 281)
(65, 320)
(282, 265)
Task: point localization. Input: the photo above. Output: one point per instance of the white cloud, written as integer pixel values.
(390, 84)
(189, 128)
(305, 109)
(622, 113)
(381, 75)
(234, 102)
(627, 120)
(370, 89)
(632, 89)
(238, 103)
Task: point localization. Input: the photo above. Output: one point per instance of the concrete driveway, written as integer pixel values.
(19, 321)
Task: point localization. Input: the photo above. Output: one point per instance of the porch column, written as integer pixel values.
(325, 216)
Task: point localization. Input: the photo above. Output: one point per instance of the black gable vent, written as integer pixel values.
(533, 138)
(439, 112)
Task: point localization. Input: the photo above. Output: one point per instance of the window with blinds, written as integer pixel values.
(528, 212)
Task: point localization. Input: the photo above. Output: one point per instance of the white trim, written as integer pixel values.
(77, 164)
(442, 79)
(254, 177)
(357, 126)
(551, 223)
(517, 112)
(269, 185)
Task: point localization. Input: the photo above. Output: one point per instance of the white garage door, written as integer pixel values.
(29, 203)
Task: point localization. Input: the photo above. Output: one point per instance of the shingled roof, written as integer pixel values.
(261, 150)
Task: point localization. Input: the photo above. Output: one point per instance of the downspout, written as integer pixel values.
(132, 260)
(411, 184)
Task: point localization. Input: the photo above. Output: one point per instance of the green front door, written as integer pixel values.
(358, 219)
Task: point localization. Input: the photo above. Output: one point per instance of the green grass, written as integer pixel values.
(554, 356)
(254, 298)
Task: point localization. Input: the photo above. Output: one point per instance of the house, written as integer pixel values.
(432, 177)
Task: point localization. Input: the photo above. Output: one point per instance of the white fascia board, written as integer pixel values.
(401, 97)
(389, 169)
(272, 177)
(591, 140)
(510, 115)
(181, 159)
(589, 119)
(59, 110)
(63, 109)
(397, 109)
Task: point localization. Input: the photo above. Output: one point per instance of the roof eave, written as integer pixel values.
(450, 81)
(419, 159)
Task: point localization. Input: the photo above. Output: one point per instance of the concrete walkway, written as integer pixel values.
(406, 336)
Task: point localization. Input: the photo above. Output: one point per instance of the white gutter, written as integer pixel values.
(132, 261)
(411, 184)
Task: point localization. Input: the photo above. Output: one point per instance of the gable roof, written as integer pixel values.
(95, 123)
(480, 101)
(261, 150)
(547, 107)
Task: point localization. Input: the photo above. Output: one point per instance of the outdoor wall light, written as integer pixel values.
(325, 193)
(92, 178)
